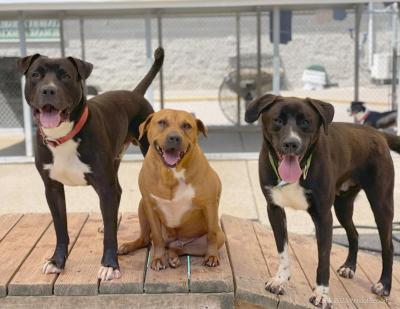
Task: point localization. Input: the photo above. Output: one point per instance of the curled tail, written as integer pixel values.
(141, 88)
(393, 141)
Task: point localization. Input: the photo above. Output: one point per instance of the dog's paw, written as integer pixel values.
(275, 286)
(346, 271)
(125, 248)
(50, 268)
(320, 297)
(108, 273)
(211, 261)
(158, 264)
(380, 290)
(173, 259)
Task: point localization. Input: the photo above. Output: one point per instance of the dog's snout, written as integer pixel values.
(49, 90)
(290, 145)
(174, 139)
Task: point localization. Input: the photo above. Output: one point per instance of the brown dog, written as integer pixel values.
(180, 193)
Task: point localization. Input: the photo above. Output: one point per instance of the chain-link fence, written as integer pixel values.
(204, 52)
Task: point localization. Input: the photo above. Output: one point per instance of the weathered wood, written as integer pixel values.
(298, 290)
(7, 222)
(205, 279)
(80, 274)
(143, 301)
(249, 269)
(17, 245)
(30, 279)
(169, 280)
(359, 288)
(132, 266)
(306, 252)
(371, 265)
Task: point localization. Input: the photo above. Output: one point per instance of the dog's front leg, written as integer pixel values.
(55, 197)
(323, 230)
(109, 195)
(277, 218)
(211, 259)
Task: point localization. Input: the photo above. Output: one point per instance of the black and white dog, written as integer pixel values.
(374, 119)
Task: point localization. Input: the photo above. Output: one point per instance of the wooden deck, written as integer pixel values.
(246, 262)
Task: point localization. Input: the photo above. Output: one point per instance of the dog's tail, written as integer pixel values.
(141, 88)
(393, 141)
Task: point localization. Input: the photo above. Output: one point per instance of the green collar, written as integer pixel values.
(305, 169)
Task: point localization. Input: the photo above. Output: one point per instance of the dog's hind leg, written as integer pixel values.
(143, 240)
(379, 192)
(344, 206)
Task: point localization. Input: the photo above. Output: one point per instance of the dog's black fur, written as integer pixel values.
(346, 158)
(114, 119)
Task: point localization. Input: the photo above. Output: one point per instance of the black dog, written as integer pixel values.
(374, 119)
(307, 163)
(81, 142)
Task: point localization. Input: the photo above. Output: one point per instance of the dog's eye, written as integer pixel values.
(186, 126)
(35, 74)
(162, 123)
(278, 121)
(305, 123)
(66, 76)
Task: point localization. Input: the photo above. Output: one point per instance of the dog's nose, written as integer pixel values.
(290, 145)
(174, 139)
(49, 90)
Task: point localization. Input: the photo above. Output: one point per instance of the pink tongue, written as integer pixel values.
(171, 157)
(50, 119)
(289, 169)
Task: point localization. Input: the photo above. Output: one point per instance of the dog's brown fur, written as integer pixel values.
(174, 231)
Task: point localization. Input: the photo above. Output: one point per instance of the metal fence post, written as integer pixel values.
(276, 58)
(159, 26)
(82, 37)
(258, 84)
(62, 43)
(26, 109)
(147, 27)
(394, 55)
(238, 66)
(358, 12)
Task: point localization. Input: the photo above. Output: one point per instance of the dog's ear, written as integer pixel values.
(144, 126)
(24, 63)
(84, 68)
(201, 127)
(257, 106)
(325, 110)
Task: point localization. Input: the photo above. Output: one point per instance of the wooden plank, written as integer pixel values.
(133, 265)
(248, 265)
(305, 249)
(80, 274)
(7, 222)
(396, 270)
(30, 279)
(142, 301)
(371, 265)
(17, 245)
(205, 279)
(298, 290)
(359, 288)
(169, 280)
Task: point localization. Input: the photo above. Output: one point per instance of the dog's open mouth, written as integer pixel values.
(49, 117)
(289, 168)
(171, 157)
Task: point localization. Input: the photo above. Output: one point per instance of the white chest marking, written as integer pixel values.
(66, 168)
(173, 210)
(291, 195)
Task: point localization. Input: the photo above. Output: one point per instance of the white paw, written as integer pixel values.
(345, 272)
(321, 297)
(379, 289)
(276, 285)
(50, 268)
(108, 273)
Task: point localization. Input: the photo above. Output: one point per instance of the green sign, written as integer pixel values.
(35, 30)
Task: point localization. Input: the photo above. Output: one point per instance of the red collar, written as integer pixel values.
(54, 142)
